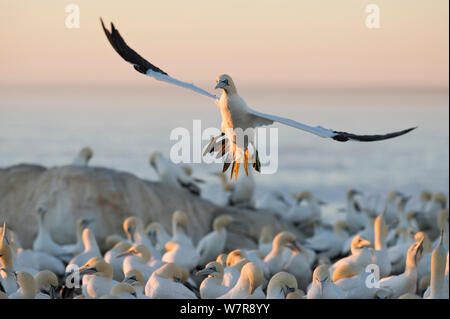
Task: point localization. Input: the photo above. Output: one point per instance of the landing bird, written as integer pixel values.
(235, 112)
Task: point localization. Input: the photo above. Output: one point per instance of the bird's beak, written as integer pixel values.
(294, 246)
(220, 85)
(131, 233)
(289, 290)
(130, 280)
(365, 243)
(419, 251)
(87, 222)
(205, 272)
(124, 254)
(87, 271)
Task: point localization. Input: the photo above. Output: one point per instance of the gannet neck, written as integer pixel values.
(89, 242)
(438, 265)
(6, 257)
(380, 233)
(27, 284)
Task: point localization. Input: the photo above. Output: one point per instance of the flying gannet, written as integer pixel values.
(235, 112)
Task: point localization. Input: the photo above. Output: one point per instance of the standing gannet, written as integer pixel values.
(158, 236)
(138, 257)
(97, 278)
(354, 215)
(407, 281)
(397, 253)
(250, 279)
(171, 174)
(213, 243)
(322, 287)
(380, 254)
(165, 283)
(265, 240)
(360, 254)
(134, 228)
(44, 242)
(212, 287)
(27, 287)
(83, 157)
(91, 250)
(136, 279)
(117, 262)
(236, 114)
(438, 283)
(327, 243)
(46, 284)
(78, 247)
(275, 259)
(280, 285)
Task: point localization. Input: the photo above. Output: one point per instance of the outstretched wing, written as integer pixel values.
(142, 65)
(327, 133)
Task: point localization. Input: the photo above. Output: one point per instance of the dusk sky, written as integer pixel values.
(259, 43)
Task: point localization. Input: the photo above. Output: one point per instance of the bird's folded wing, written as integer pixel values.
(142, 65)
(319, 243)
(327, 133)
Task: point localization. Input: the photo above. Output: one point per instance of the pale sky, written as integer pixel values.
(309, 43)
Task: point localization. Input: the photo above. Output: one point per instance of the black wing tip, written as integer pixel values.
(344, 137)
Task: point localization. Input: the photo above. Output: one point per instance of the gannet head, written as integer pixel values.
(97, 266)
(222, 259)
(135, 277)
(425, 196)
(153, 158)
(131, 225)
(392, 195)
(441, 199)
(42, 210)
(139, 250)
(402, 203)
(225, 82)
(152, 230)
(285, 239)
(352, 193)
(222, 221)
(284, 281)
(346, 270)
(212, 269)
(122, 288)
(27, 283)
(414, 254)
(321, 275)
(86, 154)
(180, 218)
(171, 271)
(236, 258)
(359, 243)
(427, 245)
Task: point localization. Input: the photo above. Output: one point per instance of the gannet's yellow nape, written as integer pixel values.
(222, 221)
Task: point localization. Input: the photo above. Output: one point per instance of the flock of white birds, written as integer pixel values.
(394, 253)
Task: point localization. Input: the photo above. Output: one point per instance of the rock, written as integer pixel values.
(109, 196)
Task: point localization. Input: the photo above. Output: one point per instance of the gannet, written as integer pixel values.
(438, 284)
(280, 285)
(361, 255)
(117, 262)
(329, 243)
(250, 279)
(274, 201)
(27, 287)
(171, 174)
(299, 266)
(407, 281)
(158, 236)
(122, 290)
(138, 257)
(322, 287)
(78, 247)
(380, 254)
(44, 242)
(97, 278)
(236, 259)
(305, 211)
(7, 271)
(352, 279)
(212, 287)
(355, 216)
(165, 283)
(136, 279)
(275, 259)
(91, 250)
(213, 243)
(182, 255)
(442, 223)
(134, 228)
(83, 157)
(46, 284)
(235, 113)
(265, 240)
(424, 266)
(397, 253)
